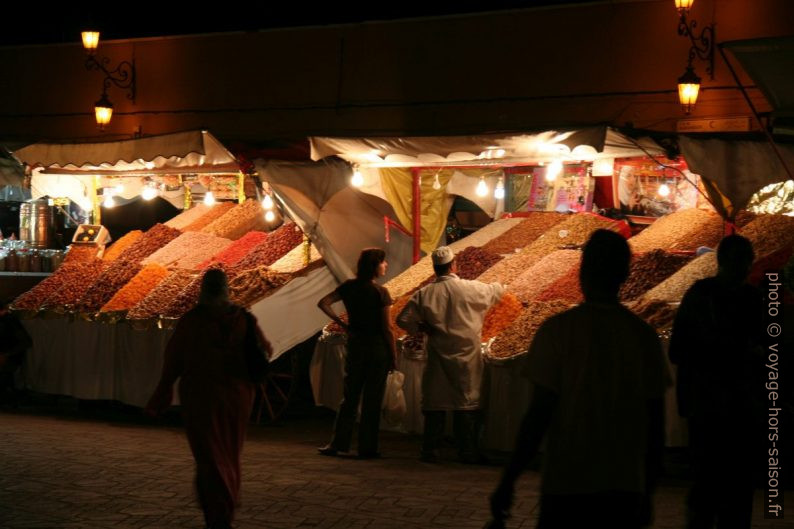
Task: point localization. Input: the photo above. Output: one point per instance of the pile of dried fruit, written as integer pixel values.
(295, 260)
(278, 243)
(238, 221)
(71, 279)
(650, 269)
(574, 231)
(136, 289)
(115, 276)
(250, 286)
(118, 247)
(410, 278)
(516, 338)
(539, 277)
(743, 218)
(769, 233)
(500, 316)
(686, 229)
(188, 250)
(72, 288)
(472, 262)
(526, 232)
(485, 234)
(674, 287)
(213, 213)
(80, 253)
(188, 217)
(158, 300)
(237, 250)
(658, 314)
(566, 288)
(155, 238)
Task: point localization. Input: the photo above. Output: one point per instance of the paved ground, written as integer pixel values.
(87, 470)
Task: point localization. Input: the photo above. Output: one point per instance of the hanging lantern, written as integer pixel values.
(436, 183)
(683, 6)
(688, 89)
(482, 188)
(103, 110)
(90, 40)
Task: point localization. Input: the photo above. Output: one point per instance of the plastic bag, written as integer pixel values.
(394, 407)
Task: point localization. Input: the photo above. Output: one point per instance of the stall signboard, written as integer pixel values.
(653, 188)
(570, 191)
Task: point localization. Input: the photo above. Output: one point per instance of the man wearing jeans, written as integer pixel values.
(451, 311)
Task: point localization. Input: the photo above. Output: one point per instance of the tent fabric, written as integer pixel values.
(738, 168)
(192, 151)
(768, 62)
(486, 149)
(340, 220)
(11, 172)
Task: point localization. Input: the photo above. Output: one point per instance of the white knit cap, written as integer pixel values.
(442, 255)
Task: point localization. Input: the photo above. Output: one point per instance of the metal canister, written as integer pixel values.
(35, 223)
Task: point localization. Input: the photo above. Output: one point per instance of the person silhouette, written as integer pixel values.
(716, 344)
(599, 378)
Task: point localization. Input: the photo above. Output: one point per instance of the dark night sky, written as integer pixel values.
(62, 22)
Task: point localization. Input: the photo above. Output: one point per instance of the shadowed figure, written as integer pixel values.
(717, 346)
(14, 343)
(371, 352)
(599, 378)
(207, 354)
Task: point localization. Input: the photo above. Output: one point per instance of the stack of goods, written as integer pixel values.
(423, 269)
(335, 328)
(472, 262)
(295, 260)
(686, 229)
(574, 231)
(674, 287)
(188, 297)
(250, 286)
(115, 276)
(158, 300)
(516, 338)
(530, 228)
(155, 238)
(118, 247)
(278, 243)
(136, 289)
(769, 233)
(80, 253)
(650, 269)
(566, 288)
(394, 311)
(71, 280)
(658, 314)
(214, 212)
(188, 250)
(238, 221)
(743, 218)
(500, 316)
(539, 277)
(188, 217)
(236, 250)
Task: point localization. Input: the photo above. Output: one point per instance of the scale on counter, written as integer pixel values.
(94, 234)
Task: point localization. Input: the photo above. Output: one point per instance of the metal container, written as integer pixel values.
(36, 223)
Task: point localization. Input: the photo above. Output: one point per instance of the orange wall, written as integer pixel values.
(612, 62)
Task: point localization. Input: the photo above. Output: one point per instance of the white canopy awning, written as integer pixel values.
(589, 143)
(195, 151)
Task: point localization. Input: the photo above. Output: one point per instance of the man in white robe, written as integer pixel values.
(451, 311)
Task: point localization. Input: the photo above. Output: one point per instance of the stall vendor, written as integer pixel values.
(451, 311)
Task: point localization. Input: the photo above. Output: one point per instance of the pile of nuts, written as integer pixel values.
(214, 212)
(674, 287)
(115, 276)
(515, 340)
(769, 233)
(650, 269)
(278, 243)
(295, 260)
(686, 229)
(500, 316)
(80, 253)
(250, 286)
(136, 289)
(157, 301)
(238, 221)
(188, 250)
(658, 314)
(155, 238)
(188, 217)
(526, 232)
(237, 250)
(472, 262)
(118, 247)
(539, 277)
(71, 279)
(566, 288)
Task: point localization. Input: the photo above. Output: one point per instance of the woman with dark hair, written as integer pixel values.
(371, 353)
(207, 354)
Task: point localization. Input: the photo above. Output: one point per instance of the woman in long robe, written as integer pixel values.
(207, 354)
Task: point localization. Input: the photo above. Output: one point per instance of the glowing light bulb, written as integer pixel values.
(270, 216)
(109, 202)
(664, 190)
(436, 183)
(148, 193)
(482, 188)
(358, 179)
(267, 202)
(499, 192)
(119, 189)
(553, 170)
(209, 198)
